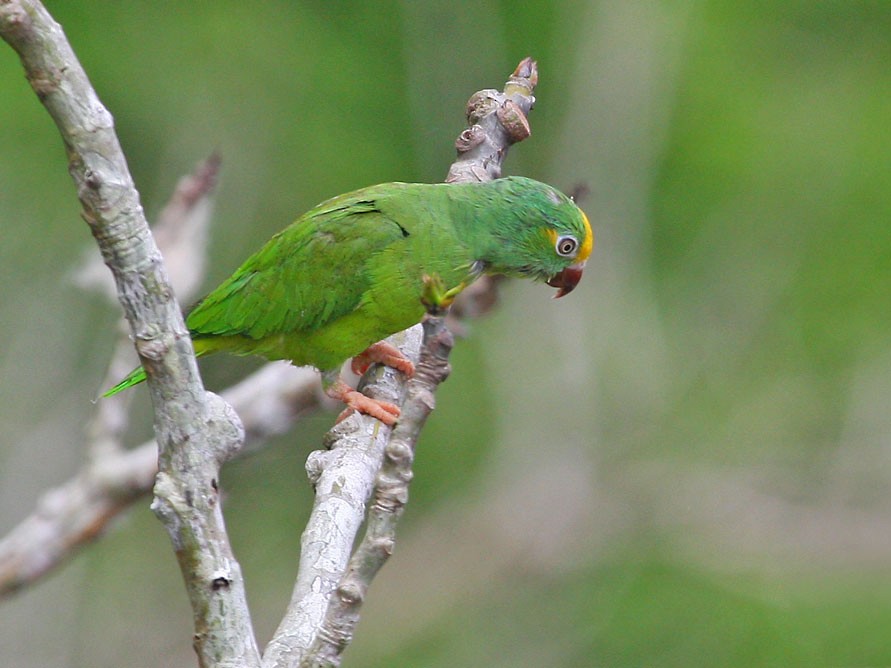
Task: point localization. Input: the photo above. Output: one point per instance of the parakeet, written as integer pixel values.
(352, 271)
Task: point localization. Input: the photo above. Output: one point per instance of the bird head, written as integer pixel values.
(540, 234)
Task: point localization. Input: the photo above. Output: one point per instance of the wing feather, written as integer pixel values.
(288, 285)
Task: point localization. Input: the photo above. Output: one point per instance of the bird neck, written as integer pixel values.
(483, 219)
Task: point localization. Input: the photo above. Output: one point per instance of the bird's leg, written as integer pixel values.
(383, 353)
(336, 388)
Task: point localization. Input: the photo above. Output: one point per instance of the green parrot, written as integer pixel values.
(354, 269)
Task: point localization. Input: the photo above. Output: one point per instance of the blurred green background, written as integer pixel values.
(685, 463)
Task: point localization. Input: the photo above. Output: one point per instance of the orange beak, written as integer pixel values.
(567, 279)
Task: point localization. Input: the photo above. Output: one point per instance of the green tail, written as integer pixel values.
(135, 377)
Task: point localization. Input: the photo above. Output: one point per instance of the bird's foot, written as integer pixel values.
(383, 353)
(436, 298)
(356, 401)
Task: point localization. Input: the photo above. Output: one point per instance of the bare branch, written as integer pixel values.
(389, 499)
(496, 121)
(181, 235)
(343, 477)
(180, 232)
(74, 513)
(78, 511)
(195, 431)
(109, 199)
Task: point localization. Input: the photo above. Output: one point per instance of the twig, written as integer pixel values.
(343, 477)
(195, 431)
(79, 510)
(496, 121)
(388, 501)
(74, 513)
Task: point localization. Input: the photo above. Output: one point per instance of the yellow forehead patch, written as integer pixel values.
(588, 243)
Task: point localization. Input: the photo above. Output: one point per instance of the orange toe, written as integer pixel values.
(382, 353)
(356, 401)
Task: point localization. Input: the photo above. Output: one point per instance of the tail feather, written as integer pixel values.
(137, 376)
(133, 378)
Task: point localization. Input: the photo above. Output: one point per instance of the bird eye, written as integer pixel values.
(566, 246)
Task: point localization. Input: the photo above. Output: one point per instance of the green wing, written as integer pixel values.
(288, 287)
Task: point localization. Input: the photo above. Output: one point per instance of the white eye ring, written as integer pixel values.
(566, 246)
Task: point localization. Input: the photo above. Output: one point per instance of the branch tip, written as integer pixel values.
(524, 78)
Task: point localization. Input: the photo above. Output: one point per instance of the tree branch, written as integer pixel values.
(111, 479)
(79, 510)
(343, 477)
(496, 121)
(388, 501)
(195, 431)
(181, 235)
